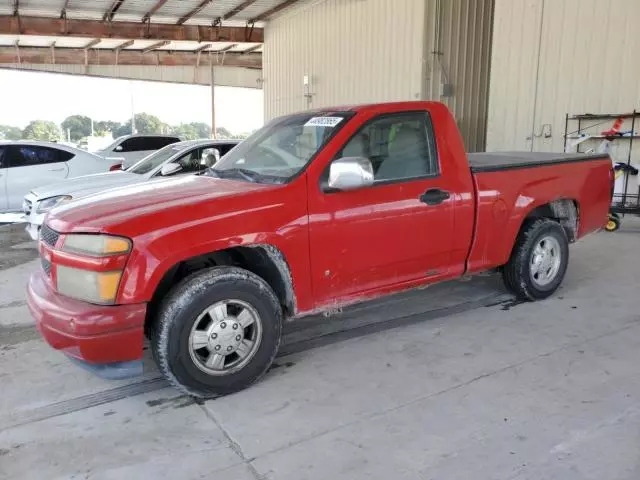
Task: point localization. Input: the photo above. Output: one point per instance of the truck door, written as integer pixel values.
(398, 230)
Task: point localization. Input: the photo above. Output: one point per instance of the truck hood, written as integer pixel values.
(132, 209)
(87, 184)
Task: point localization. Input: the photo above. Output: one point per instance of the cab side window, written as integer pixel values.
(3, 161)
(191, 162)
(399, 146)
(135, 144)
(27, 155)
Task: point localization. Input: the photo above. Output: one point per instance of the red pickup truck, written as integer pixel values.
(314, 211)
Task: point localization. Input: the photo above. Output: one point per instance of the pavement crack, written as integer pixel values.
(233, 445)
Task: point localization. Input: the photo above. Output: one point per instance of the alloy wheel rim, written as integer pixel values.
(545, 261)
(225, 337)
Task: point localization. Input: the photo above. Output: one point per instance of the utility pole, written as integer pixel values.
(213, 100)
(133, 110)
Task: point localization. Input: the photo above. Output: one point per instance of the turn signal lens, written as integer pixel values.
(96, 245)
(94, 287)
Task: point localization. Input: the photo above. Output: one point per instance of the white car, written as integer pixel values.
(190, 157)
(135, 147)
(26, 164)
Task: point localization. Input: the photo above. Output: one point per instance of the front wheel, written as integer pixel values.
(218, 331)
(539, 260)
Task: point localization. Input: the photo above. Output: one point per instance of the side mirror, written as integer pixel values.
(350, 173)
(118, 148)
(169, 169)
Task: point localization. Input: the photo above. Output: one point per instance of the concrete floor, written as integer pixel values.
(469, 385)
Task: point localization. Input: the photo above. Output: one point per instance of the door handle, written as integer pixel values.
(434, 196)
(56, 169)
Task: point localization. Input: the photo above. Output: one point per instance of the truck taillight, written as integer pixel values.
(115, 167)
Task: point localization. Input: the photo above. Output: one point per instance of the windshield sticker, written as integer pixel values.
(323, 122)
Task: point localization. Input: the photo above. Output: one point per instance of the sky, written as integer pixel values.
(26, 96)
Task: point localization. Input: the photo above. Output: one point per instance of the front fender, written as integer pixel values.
(147, 266)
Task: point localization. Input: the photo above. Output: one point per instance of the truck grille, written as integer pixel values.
(46, 266)
(48, 236)
(27, 206)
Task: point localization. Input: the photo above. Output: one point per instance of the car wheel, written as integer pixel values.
(539, 260)
(217, 332)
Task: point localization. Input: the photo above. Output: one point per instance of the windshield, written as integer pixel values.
(151, 162)
(280, 149)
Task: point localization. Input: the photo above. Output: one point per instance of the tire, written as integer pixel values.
(192, 313)
(526, 274)
(613, 223)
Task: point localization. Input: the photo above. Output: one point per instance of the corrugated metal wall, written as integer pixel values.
(460, 32)
(357, 51)
(224, 76)
(554, 57)
(354, 51)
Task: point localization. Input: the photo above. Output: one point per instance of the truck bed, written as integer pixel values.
(497, 161)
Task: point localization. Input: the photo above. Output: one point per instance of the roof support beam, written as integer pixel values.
(273, 11)
(155, 46)
(226, 49)
(16, 7)
(92, 43)
(154, 9)
(76, 56)
(203, 47)
(17, 45)
(236, 10)
(195, 11)
(54, 27)
(252, 49)
(125, 44)
(63, 12)
(120, 47)
(108, 15)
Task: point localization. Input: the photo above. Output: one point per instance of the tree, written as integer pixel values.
(78, 127)
(222, 132)
(123, 129)
(41, 130)
(192, 131)
(7, 132)
(147, 124)
(102, 128)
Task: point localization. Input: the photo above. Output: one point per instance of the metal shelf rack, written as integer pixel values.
(627, 202)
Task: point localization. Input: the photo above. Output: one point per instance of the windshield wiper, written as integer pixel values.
(243, 173)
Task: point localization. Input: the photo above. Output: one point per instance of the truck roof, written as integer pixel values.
(394, 106)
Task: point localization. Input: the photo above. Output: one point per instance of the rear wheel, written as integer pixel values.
(539, 260)
(217, 332)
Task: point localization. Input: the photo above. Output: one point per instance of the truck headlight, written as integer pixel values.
(96, 245)
(85, 283)
(93, 287)
(48, 203)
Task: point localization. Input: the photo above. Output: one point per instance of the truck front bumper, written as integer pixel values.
(96, 335)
